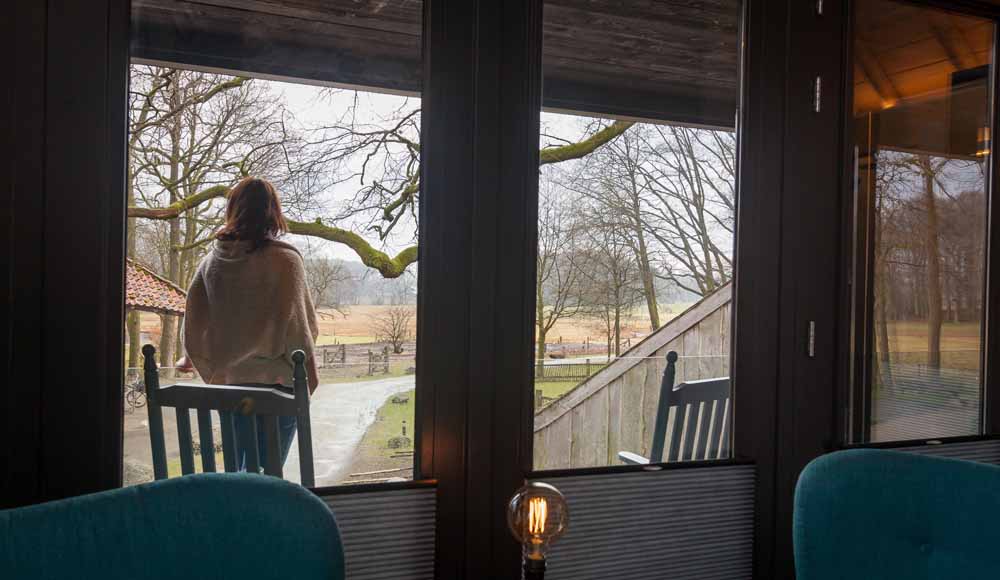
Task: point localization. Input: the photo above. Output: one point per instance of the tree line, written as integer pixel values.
(929, 246)
(649, 213)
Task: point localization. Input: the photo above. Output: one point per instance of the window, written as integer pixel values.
(922, 140)
(218, 94)
(636, 226)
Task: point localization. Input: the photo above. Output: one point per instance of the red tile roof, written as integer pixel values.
(144, 290)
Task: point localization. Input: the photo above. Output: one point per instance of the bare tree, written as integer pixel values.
(612, 178)
(394, 325)
(557, 283)
(326, 278)
(612, 283)
(929, 244)
(690, 175)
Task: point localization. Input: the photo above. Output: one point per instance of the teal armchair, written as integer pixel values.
(883, 515)
(200, 526)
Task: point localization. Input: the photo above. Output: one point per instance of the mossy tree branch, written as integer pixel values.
(389, 267)
(585, 147)
(180, 206)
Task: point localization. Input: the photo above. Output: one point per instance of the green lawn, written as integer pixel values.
(174, 465)
(388, 424)
(554, 389)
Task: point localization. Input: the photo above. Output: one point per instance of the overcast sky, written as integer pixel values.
(314, 106)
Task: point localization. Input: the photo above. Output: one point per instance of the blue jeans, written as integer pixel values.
(286, 432)
(241, 424)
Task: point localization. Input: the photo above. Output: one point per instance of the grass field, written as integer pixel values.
(912, 336)
(959, 344)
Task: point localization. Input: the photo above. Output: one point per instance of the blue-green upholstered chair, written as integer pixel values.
(215, 526)
(884, 515)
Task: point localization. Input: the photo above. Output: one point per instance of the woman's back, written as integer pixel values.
(249, 308)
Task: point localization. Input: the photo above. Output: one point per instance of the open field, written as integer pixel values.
(912, 336)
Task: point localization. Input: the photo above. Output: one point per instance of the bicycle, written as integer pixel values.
(135, 393)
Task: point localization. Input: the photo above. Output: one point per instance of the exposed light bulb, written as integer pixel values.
(537, 516)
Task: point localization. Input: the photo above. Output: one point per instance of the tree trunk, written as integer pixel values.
(618, 331)
(173, 262)
(646, 271)
(934, 306)
(883, 323)
(540, 324)
(132, 320)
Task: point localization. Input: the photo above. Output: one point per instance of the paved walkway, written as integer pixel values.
(341, 413)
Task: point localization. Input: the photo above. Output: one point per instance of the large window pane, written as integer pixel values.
(636, 222)
(322, 101)
(922, 117)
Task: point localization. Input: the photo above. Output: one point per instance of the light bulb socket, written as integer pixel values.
(533, 569)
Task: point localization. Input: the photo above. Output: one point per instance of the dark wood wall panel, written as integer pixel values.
(481, 105)
(22, 177)
(66, 247)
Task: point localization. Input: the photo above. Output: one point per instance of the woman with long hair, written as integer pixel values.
(249, 308)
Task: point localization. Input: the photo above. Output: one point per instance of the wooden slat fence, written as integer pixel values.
(615, 409)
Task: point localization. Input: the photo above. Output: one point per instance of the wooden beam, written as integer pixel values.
(952, 40)
(875, 74)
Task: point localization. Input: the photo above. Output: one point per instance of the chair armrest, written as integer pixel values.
(630, 458)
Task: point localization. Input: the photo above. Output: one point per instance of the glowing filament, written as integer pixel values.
(537, 514)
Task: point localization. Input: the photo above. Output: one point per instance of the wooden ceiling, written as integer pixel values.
(671, 60)
(906, 52)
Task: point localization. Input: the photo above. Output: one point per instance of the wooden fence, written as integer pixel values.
(615, 409)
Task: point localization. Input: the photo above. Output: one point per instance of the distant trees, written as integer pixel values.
(929, 243)
(655, 205)
(559, 273)
(393, 326)
(327, 278)
(613, 283)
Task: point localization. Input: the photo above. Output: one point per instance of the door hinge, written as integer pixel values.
(811, 345)
(819, 7)
(818, 94)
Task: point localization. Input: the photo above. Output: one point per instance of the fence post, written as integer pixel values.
(371, 364)
(343, 354)
(538, 399)
(385, 359)
(588, 367)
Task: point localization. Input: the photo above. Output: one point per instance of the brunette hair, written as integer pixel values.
(253, 213)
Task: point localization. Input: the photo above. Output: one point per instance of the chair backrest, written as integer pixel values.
(204, 526)
(868, 513)
(695, 414)
(228, 401)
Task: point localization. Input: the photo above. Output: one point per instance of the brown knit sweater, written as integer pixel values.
(247, 312)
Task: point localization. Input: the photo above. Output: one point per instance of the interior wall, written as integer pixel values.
(63, 178)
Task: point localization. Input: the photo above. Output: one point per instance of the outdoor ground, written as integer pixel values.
(959, 343)
(356, 414)
(374, 458)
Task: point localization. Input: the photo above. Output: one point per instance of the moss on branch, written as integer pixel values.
(585, 147)
(180, 206)
(387, 266)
